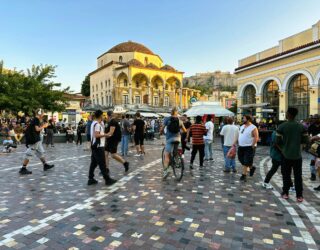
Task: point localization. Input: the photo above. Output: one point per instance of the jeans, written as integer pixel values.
(229, 163)
(124, 144)
(208, 149)
(312, 164)
(286, 169)
(195, 149)
(273, 170)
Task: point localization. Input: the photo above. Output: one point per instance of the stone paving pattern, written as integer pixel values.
(208, 209)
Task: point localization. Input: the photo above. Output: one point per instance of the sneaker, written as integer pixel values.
(243, 178)
(234, 171)
(211, 159)
(191, 166)
(110, 181)
(92, 182)
(24, 171)
(267, 185)
(165, 173)
(137, 155)
(47, 167)
(317, 188)
(227, 171)
(299, 199)
(292, 189)
(182, 156)
(252, 170)
(285, 196)
(313, 177)
(126, 166)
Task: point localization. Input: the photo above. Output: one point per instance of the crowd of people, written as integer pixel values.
(104, 134)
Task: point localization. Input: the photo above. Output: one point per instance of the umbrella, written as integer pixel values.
(207, 108)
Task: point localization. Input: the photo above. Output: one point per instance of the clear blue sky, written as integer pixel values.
(191, 35)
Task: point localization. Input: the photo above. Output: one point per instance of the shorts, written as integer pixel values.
(245, 155)
(36, 149)
(138, 139)
(112, 147)
(169, 144)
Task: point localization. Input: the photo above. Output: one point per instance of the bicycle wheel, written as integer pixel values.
(177, 166)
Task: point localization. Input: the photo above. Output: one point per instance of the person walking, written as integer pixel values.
(208, 139)
(125, 131)
(230, 133)
(290, 136)
(187, 125)
(88, 132)
(113, 135)
(34, 144)
(50, 133)
(313, 130)
(247, 140)
(79, 132)
(98, 138)
(139, 128)
(197, 131)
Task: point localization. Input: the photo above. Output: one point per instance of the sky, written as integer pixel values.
(191, 35)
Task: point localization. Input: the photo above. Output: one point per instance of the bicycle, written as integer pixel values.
(176, 161)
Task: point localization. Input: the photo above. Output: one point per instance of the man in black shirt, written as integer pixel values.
(34, 144)
(139, 127)
(113, 135)
(187, 125)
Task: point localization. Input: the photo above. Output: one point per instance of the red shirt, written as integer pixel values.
(197, 132)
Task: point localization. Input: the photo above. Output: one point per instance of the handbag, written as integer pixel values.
(232, 152)
(315, 149)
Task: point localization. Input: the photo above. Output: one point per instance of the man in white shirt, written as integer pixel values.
(208, 139)
(230, 133)
(98, 140)
(248, 139)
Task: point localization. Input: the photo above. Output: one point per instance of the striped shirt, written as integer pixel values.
(197, 132)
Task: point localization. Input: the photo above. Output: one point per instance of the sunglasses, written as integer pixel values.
(243, 130)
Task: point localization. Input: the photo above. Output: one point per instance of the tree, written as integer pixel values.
(234, 108)
(85, 86)
(20, 91)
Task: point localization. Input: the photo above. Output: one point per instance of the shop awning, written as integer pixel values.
(254, 105)
(149, 115)
(164, 114)
(208, 108)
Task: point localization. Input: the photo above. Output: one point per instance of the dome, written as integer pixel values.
(135, 62)
(152, 66)
(168, 68)
(130, 47)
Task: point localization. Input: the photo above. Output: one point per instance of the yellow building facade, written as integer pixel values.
(131, 75)
(286, 75)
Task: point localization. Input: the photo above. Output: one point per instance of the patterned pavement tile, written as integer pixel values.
(208, 209)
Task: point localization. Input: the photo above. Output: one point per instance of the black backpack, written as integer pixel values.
(117, 133)
(174, 125)
(31, 134)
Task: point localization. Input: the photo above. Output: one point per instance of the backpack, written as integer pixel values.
(31, 134)
(174, 125)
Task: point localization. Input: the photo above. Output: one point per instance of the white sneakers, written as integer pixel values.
(165, 173)
(267, 185)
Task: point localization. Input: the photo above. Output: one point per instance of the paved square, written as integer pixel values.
(208, 209)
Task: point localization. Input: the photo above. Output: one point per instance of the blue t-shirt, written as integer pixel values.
(88, 127)
(169, 135)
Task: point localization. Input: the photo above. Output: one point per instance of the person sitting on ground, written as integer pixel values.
(8, 145)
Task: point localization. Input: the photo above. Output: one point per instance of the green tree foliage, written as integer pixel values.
(234, 108)
(85, 86)
(27, 91)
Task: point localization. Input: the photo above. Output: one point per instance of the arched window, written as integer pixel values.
(137, 84)
(125, 82)
(156, 86)
(166, 87)
(120, 59)
(146, 60)
(298, 95)
(249, 95)
(271, 95)
(109, 83)
(101, 85)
